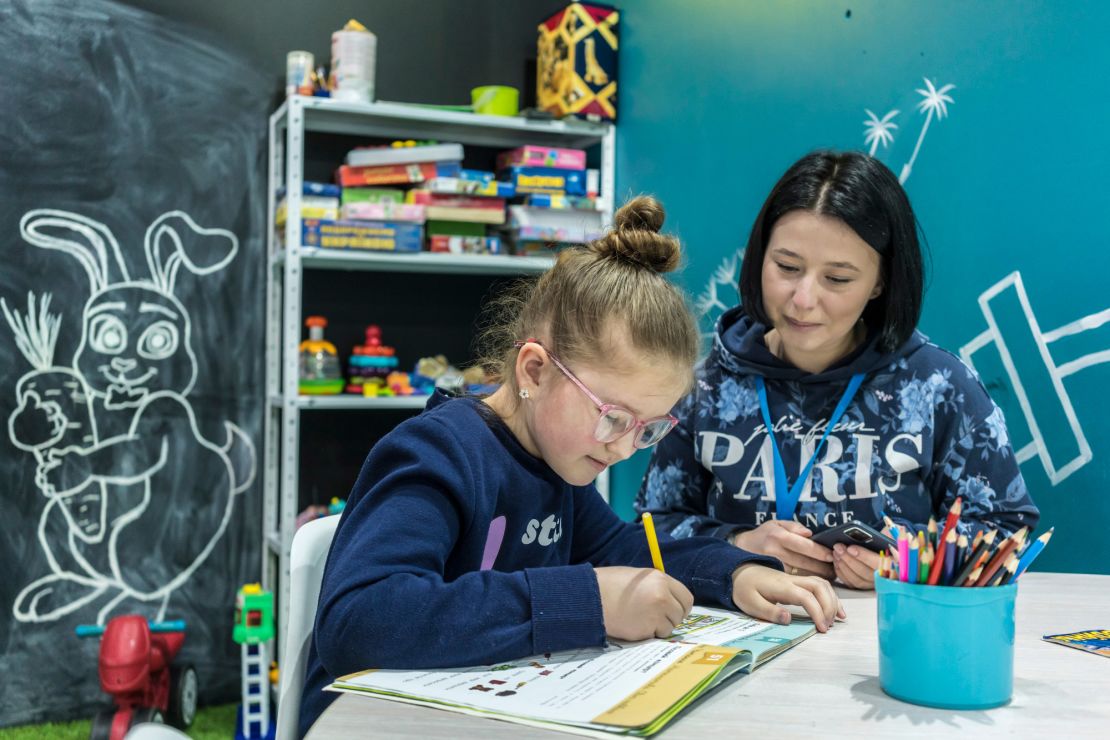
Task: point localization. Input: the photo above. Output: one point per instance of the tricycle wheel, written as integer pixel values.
(102, 725)
(184, 690)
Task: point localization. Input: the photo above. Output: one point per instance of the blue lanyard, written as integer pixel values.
(786, 501)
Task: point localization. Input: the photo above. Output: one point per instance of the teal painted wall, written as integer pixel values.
(718, 98)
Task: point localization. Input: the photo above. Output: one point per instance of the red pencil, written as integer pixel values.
(953, 517)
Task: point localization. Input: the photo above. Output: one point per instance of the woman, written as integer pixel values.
(867, 417)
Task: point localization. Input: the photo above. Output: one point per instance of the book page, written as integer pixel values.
(763, 640)
(624, 684)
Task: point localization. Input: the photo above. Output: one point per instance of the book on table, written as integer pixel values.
(1093, 641)
(624, 688)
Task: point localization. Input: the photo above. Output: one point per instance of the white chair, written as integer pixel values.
(307, 556)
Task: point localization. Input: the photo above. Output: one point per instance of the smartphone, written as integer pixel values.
(855, 533)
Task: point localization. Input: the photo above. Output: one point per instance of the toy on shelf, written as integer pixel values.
(135, 669)
(370, 364)
(576, 67)
(254, 628)
(315, 511)
(319, 361)
(437, 372)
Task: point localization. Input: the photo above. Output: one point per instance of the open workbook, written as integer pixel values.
(626, 688)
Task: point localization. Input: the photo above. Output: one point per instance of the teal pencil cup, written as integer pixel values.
(948, 647)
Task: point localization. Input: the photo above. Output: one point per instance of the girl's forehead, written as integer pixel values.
(642, 383)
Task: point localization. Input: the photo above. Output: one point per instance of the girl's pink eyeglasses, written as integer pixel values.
(613, 422)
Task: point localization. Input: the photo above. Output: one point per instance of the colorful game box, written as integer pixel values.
(394, 236)
(542, 156)
(545, 180)
(384, 212)
(576, 71)
(371, 195)
(395, 174)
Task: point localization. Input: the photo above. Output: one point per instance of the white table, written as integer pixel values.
(828, 686)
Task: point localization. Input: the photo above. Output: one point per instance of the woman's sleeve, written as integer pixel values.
(676, 486)
(976, 462)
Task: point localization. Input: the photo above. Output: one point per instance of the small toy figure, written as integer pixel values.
(370, 364)
(135, 669)
(254, 627)
(319, 361)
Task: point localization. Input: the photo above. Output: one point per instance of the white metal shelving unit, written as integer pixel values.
(288, 126)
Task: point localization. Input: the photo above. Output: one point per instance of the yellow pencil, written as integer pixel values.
(653, 543)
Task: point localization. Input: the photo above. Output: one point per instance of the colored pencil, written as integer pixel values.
(911, 562)
(903, 555)
(926, 564)
(891, 526)
(653, 542)
(938, 562)
(952, 555)
(973, 576)
(931, 531)
(1031, 553)
(1003, 552)
(1003, 575)
(953, 517)
(961, 554)
(976, 558)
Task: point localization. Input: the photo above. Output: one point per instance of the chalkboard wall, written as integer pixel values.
(132, 171)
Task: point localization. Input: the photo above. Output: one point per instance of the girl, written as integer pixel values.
(865, 416)
(474, 533)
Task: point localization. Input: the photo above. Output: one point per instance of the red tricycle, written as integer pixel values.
(135, 669)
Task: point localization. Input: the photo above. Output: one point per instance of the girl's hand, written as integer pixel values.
(788, 541)
(638, 603)
(855, 566)
(758, 591)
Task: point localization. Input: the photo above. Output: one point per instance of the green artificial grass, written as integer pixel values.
(212, 723)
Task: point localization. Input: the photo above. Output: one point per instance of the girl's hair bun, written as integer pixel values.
(635, 236)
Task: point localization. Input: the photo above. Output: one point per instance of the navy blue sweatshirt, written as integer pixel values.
(920, 431)
(446, 494)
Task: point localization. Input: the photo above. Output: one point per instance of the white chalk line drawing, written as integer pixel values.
(114, 437)
(1012, 288)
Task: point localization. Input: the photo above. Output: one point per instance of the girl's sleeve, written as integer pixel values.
(384, 602)
(676, 486)
(703, 564)
(975, 461)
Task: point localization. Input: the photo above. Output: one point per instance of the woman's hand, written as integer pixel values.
(638, 603)
(788, 541)
(758, 591)
(855, 566)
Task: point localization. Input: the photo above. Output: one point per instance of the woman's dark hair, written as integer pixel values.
(863, 193)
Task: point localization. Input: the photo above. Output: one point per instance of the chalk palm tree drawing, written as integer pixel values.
(708, 303)
(879, 130)
(934, 102)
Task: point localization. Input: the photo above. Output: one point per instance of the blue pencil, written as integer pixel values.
(890, 525)
(1031, 554)
(911, 566)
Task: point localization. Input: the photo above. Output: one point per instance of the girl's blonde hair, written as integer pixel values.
(617, 278)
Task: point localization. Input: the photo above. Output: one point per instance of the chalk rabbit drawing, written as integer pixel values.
(136, 495)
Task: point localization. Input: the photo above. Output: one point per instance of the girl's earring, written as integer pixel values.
(524, 394)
